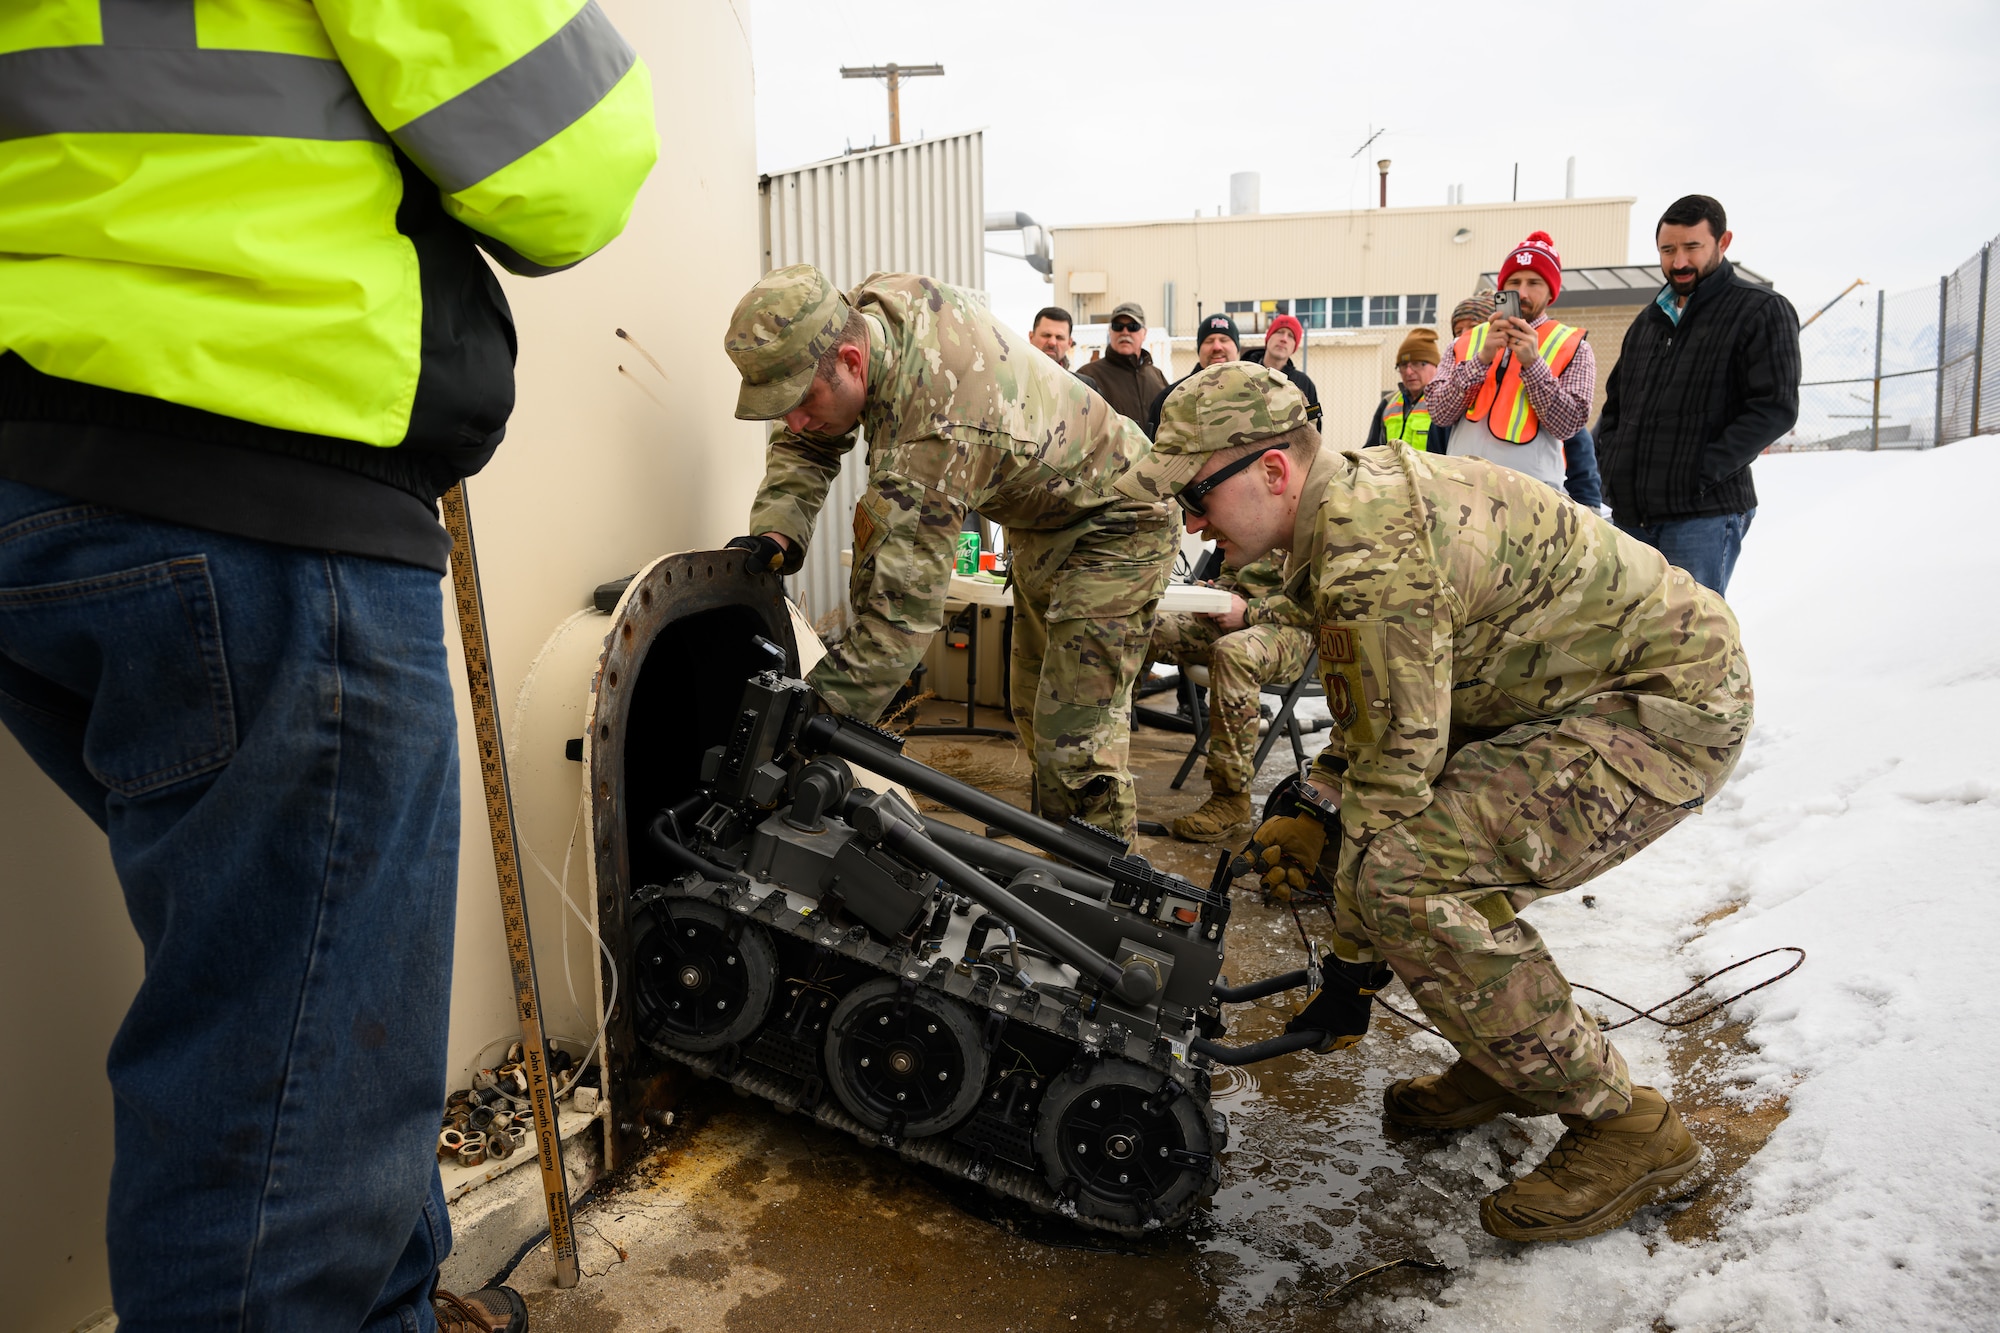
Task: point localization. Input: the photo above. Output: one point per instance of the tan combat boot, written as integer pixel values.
(1224, 815)
(1459, 1097)
(1598, 1175)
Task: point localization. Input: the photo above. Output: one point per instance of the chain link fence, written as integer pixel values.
(1903, 370)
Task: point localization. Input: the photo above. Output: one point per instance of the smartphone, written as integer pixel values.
(1507, 305)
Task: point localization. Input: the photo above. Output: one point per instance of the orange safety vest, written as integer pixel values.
(1515, 421)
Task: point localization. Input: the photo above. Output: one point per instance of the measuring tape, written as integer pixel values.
(507, 866)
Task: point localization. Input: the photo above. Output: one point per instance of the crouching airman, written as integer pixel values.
(1523, 698)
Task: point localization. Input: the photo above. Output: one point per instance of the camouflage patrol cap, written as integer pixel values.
(781, 328)
(1234, 403)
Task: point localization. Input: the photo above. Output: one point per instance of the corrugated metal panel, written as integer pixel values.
(914, 208)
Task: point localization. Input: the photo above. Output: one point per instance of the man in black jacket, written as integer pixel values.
(1708, 377)
(1125, 374)
(1284, 344)
(1215, 341)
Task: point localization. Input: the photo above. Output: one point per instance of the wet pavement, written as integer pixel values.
(750, 1219)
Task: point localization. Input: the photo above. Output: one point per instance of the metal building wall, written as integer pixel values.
(913, 208)
(1364, 252)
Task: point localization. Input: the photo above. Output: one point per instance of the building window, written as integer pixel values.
(1310, 311)
(1420, 309)
(1343, 312)
(1238, 307)
(1384, 309)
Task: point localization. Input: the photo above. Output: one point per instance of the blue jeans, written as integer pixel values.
(1705, 547)
(1581, 479)
(266, 736)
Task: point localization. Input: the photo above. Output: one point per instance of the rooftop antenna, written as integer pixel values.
(895, 74)
(1365, 142)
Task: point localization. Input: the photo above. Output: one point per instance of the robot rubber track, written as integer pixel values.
(783, 1072)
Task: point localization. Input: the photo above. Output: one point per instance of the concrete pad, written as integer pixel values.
(750, 1219)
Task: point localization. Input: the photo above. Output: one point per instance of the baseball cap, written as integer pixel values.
(1231, 404)
(779, 331)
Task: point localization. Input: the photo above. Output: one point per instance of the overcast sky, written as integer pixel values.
(1846, 140)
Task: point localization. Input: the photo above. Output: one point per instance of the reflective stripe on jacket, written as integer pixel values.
(1412, 425)
(199, 201)
(1514, 420)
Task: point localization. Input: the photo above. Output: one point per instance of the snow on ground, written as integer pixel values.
(1863, 825)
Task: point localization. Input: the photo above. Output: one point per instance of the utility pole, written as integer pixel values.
(895, 74)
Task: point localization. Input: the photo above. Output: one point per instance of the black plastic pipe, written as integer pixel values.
(999, 856)
(661, 831)
(1268, 1049)
(827, 733)
(1257, 990)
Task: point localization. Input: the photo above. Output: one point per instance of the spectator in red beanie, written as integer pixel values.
(1284, 343)
(1522, 386)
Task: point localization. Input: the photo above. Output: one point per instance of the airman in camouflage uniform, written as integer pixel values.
(1271, 648)
(961, 413)
(1524, 697)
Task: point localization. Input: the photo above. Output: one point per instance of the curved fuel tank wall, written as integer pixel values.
(623, 444)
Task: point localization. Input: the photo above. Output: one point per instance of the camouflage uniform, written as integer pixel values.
(1524, 697)
(1267, 651)
(962, 415)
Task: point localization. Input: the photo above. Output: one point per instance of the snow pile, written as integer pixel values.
(1864, 825)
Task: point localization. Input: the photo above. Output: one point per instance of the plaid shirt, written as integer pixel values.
(1561, 402)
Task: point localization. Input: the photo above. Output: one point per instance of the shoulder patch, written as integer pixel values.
(1336, 644)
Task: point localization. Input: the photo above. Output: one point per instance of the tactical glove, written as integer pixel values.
(769, 553)
(1339, 1008)
(1286, 852)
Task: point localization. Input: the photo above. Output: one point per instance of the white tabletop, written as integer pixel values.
(1179, 597)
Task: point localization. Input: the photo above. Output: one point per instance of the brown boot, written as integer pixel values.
(488, 1310)
(1459, 1097)
(1225, 814)
(1598, 1175)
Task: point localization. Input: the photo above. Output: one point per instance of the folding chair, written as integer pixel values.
(1284, 721)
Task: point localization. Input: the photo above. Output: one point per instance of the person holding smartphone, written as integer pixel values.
(1521, 382)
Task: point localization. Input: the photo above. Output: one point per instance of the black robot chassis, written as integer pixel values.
(1043, 1028)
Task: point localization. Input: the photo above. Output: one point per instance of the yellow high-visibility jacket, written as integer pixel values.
(265, 209)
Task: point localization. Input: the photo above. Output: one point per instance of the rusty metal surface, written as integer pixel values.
(666, 591)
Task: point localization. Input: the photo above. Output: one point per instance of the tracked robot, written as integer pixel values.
(1043, 1026)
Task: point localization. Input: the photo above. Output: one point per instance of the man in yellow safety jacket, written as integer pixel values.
(1521, 386)
(1404, 414)
(246, 341)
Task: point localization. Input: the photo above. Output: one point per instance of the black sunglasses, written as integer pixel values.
(1124, 326)
(1192, 497)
